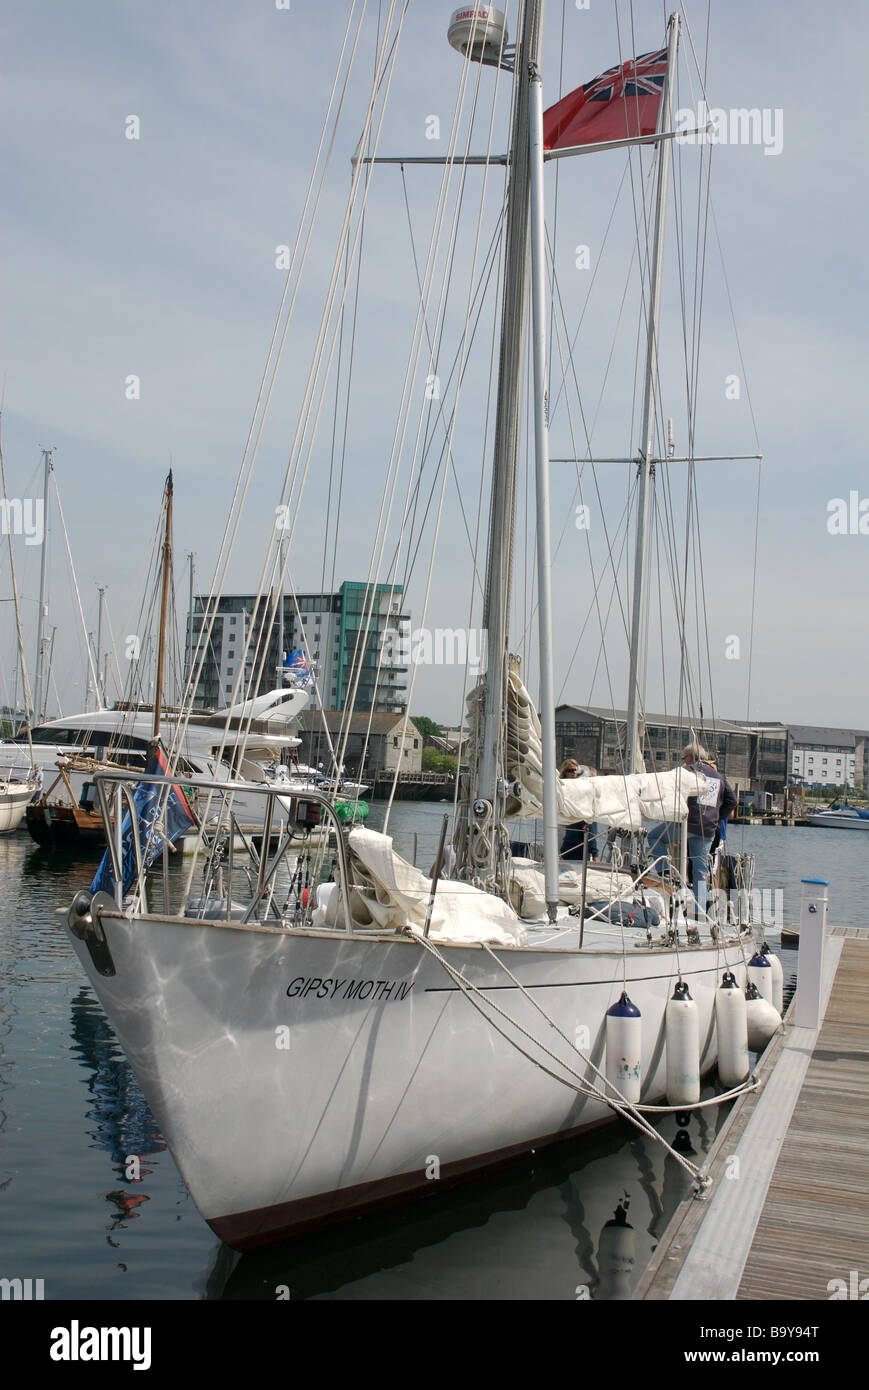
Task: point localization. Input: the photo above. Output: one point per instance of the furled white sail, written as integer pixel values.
(390, 893)
(625, 800)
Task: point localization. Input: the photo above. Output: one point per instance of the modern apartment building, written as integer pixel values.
(341, 636)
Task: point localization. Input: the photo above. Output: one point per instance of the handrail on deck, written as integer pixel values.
(226, 789)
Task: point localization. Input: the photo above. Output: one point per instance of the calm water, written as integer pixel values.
(71, 1111)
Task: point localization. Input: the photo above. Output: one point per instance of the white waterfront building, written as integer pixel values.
(822, 757)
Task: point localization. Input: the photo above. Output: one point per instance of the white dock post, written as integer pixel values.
(813, 925)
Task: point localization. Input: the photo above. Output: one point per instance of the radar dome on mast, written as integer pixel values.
(479, 31)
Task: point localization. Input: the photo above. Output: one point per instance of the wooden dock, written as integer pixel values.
(789, 1208)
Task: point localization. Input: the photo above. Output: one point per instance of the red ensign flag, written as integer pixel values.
(621, 103)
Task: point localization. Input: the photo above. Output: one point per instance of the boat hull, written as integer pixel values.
(68, 828)
(839, 822)
(13, 808)
(301, 1078)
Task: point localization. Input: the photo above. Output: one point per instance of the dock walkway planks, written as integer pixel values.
(797, 1216)
(814, 1226)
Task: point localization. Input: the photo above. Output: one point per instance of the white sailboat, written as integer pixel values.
(14, 797)
(342, 1031)
(21, 780)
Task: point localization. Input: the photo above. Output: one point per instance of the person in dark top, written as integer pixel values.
(716, 804)
(573, 844)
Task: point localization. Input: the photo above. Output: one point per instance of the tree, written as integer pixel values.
(433, 761)
(427, 727)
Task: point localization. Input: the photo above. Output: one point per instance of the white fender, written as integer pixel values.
(762, 1018)
(760, 974)
(731, 1025)
(624, 1048)
(683, 1048)
(778, 978)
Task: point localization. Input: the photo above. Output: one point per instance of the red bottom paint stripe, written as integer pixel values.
(249, 1230)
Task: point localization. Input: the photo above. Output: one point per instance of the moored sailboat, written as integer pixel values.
(324, 1032)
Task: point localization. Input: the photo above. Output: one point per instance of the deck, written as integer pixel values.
(789, 1209)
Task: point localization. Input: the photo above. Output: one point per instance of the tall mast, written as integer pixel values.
(101, 696)
(189, 671)
(646, 462)
(499, 561)
(541, 457)
(281, 562)
(20, 664)
(38, 695)
(50, 665)
(167, 566)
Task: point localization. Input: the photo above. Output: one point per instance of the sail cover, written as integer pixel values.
(619, 105)
(624, 800)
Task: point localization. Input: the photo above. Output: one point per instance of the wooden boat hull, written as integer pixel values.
(63, 827)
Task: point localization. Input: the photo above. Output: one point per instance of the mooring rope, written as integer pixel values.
(581, 1085)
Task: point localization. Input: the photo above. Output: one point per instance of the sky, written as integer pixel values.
(155, 257)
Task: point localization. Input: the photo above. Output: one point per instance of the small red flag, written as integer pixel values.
(623, 102)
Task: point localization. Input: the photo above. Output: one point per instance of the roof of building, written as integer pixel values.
(443, 745)
(672, 721)
(819, 737)
(311, 722)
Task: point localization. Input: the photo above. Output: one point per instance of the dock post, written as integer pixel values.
(810, 970)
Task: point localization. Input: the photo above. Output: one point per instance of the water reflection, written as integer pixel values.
(123, 1123)
(540, 1229)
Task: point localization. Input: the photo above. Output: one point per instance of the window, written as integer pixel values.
(395, 743)
(232, 622)
(416, 743)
